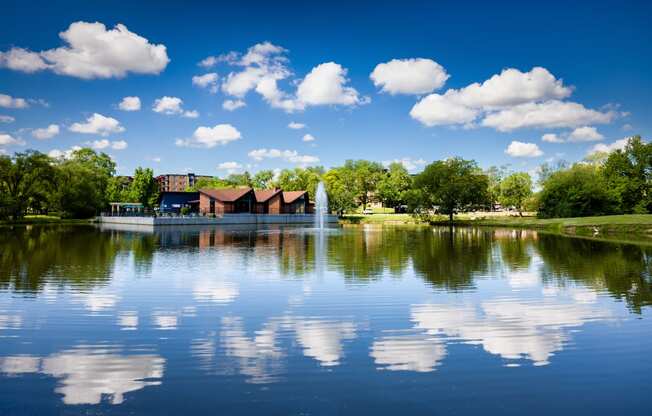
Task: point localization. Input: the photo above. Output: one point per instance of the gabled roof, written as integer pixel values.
(265, 195)
(226, 194)
(291, 196)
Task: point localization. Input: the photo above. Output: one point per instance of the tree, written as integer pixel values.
(392, 187)
(339, 184)
(515, 190)
(144, 188)
(235, 180)
(628, 172)
(451, 184)
(576, 192)
(211, 183)
(82, 183)
(300, 179)
(117, 189)
(263, 179)
(24, 178)
(495, 175)
(366, 176)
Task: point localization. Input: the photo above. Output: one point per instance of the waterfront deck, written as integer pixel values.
(225, 219)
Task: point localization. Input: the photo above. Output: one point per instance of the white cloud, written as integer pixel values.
(413, 352)
(119, 145)
(608, 148)
(66, 154)
(585, 134)
(520, 149)
(172, 106)
(7, 101)
(92, 51)
(549, 114)
(230, 167)
(326, 85)
(9, 140)
(208, 81)
(322, 340)
(627, 127)
(412, 165)
(130, 104)
(46, 133)
(436, 109)
(409, 76)
(208, 137)
(265, 64)
(296, 126)
(6, 119)
(308, 138)
(232, 105)
(98, 124)
(552, 138)
(291, 156)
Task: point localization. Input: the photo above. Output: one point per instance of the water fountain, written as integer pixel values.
(321, 206)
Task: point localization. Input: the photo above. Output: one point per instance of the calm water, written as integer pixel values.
(284, 321)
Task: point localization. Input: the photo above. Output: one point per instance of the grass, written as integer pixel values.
(45, 219)
(621, 227)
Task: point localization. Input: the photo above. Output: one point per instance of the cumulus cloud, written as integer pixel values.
(105, 144)
(6, 119)
(520, 149)
(265, 64)
(608, 148)
(208, 81)
(435, 110)
(552, 138)
(130, 104)
(230, 167)
(308, 138)
(66, 154)
(47, 132)
(208, 137)
(585, 134)
(232, 105)
(291, 156)
(296, 126)
(549, 114)
(172, 106)
(412, 165)
(98, 124)
(9, 140)
(409, 76)
(92, 51)
(7, 101)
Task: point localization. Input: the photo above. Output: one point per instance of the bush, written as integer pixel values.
(576, 192)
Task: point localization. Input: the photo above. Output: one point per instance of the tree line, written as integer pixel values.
(83, 183)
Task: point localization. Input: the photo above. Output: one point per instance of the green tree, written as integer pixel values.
(264, 179)
(515, 190)
(82, 182)
(300, 179)
(144, 188)
(339, 184)
(24, 178)
(452, 185)
(211, 183)
(366, 176)
(236, 180)
(576, 192)
(117, 189)
(628, 173)
(392, 187)
(495, 175)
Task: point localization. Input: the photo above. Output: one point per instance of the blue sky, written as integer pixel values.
(578, 71)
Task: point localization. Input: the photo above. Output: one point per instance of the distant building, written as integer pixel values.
(175, 201)
(178, 182)
(246, 200)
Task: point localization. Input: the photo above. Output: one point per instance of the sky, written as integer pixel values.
(218, 88)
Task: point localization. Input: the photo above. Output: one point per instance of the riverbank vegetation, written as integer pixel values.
(82, 183)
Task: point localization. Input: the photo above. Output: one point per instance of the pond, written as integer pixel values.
(354, 320)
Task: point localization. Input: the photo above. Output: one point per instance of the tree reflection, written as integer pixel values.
(624, 270)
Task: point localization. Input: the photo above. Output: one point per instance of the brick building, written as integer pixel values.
(178, 182)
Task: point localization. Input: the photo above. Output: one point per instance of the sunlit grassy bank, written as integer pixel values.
(625, 227)
(45, 219)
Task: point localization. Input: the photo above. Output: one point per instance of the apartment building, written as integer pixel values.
(178, 182)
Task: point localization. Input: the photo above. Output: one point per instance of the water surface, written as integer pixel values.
(359, 320)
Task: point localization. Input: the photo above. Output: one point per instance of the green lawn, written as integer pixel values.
(45, 219)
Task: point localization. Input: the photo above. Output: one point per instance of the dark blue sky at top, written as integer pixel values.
(603, 49)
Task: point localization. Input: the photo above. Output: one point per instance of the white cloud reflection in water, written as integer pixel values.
(87, 373)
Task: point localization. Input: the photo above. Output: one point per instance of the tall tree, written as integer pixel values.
(240, 179)
(495, 175)
(515, 190)
(340, 187)
(628, 173)
(211, 183)
(367, 174)
(144, 188)
(23, 178)
(392, 186)
(451, 184)
(263, 179)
